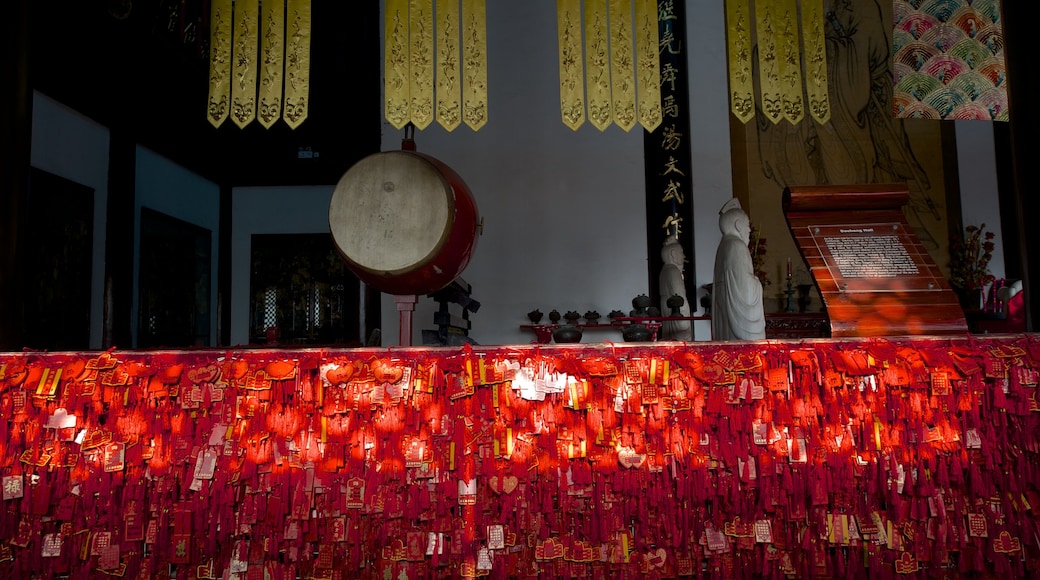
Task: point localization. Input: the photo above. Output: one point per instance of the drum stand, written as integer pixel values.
(405, 307)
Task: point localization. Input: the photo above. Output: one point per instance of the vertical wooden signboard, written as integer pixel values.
(875, 277)
(667, 153)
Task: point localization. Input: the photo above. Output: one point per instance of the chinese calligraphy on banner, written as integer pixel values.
(669, 184)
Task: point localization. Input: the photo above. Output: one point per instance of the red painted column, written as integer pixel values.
(405, 307)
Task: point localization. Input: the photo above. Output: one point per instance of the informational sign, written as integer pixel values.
(874, 257)
(872, 272)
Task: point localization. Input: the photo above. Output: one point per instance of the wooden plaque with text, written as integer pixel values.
(875, 277)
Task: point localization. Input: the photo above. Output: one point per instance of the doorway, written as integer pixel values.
(174, 283)
(59, 242)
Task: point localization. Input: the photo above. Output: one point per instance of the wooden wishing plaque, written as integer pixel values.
(875, 277)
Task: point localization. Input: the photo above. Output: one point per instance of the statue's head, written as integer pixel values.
(733, 221)
(733, 203)
(736, 223)
(672, 252)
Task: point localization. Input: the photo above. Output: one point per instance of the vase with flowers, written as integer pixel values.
(757, 248)
(970, 254)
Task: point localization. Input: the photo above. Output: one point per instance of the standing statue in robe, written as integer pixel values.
(672, 283)
(736, 310)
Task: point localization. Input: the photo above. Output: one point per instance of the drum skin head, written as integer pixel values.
(390, 212)
(394, 217)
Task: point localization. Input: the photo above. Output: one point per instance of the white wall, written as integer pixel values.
(564, 212)
(72, 146)
(709, 128)
(170, 189)
(976, 160)
(268, 210)
(584, 189)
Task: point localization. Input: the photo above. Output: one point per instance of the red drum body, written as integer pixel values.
(404, 222)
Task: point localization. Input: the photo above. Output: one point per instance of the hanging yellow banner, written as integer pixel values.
(814, 49)
(768, 59)
(297, 62)
(272, 51)
(420, 57)
(572, 71)
(474, 50)
(597, 63)
(648, 65)
(395, 73)
(243, 54)
(789, 57)
(449, 87)
(219, 62)
(622, 65)
(738, 47)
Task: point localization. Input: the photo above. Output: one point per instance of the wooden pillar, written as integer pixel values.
(667, 160)
(405, 308)
(224, 267)
(1019, 48)
(119, 241)
(16, 133)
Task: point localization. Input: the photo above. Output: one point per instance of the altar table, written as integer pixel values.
(897, 457)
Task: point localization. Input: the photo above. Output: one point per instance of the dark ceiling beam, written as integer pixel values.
(140, 73)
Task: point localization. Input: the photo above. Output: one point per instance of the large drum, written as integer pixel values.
(404, 222)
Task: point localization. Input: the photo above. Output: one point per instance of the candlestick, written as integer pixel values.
(790, 295)
(790, 290)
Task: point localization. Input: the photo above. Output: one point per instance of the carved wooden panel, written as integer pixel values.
(874, 275)
(793, 325)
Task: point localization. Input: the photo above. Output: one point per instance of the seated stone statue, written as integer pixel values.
(672, 283)
(736, 311)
